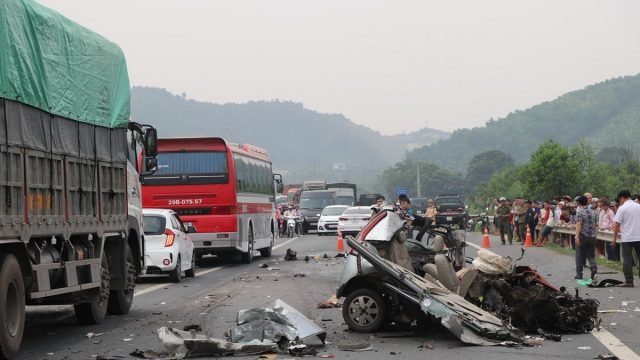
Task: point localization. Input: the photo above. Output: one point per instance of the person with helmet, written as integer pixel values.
(502, 212)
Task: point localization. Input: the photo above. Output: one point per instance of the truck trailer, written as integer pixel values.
(70, 162)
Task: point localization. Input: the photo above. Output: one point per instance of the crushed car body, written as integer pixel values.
(409, 292)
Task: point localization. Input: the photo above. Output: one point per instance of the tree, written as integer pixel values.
(485, 164)
(552, 171)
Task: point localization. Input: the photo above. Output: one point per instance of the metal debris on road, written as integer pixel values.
(147, 354)
(365, 346)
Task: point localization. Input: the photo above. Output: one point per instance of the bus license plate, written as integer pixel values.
(449, 218)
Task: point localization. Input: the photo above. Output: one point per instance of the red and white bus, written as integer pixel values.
(226, 191)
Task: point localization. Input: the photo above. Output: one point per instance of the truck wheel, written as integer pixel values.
(191, 272)
(247, 257)
(90, 313)
(176, 274)
(11, 306)
(120, 301)
(364, 311)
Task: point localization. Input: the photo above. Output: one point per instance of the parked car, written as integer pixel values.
(328, 222)
(451, 210)
(354, 219)
(312, 202)
(168, 248)
(281, 200)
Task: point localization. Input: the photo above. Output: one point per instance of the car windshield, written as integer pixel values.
(449, 201)
(154, 224)
(361, 211)
(333, 211)
(185, 163)
(344, 200)
(315, 202)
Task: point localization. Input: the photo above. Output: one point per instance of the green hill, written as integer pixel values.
(604, 115)
(302, 143)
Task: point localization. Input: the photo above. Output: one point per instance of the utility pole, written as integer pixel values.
(418, 177)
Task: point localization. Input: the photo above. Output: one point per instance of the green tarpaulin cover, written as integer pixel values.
(50, 62)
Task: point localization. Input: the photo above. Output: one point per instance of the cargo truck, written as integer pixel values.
(70, 162)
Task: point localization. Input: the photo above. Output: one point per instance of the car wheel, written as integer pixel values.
(90, 313)
(120, 301)
(191, 272)
(247, 257)
(364, 311)
(12, 311)
(176, 275)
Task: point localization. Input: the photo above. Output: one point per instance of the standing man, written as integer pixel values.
(431, 209)
(502, 212)
(548, 220)
(586, 231)
(521, 212)
(627, 223)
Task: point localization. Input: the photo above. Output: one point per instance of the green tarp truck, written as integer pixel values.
(70, 202)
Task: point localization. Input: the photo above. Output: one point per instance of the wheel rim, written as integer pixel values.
(13, 308)
(364, 310)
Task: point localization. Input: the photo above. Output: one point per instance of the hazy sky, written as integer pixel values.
(391, 65)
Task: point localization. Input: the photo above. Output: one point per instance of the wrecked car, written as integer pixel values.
(379, 291)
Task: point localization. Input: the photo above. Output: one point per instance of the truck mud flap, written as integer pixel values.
(463, 319)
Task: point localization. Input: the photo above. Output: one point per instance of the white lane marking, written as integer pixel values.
(150, 289)
(617, 347)
(200, 273)
(203, 272)
(285, 243)
(622, 351)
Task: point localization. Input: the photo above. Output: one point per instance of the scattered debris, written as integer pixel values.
(148, 354)
(299, 275)
(365, 346)
(193, 327)
(584, 347)
(93, 335)
(127, 339)
(637, 309)
(606, 283)
(428, 345)
(302, 350)
(550, 336)
(291, 255)
(326, 356)
(341, 255)
(263, 266)
(533, 341)
(607, 357)
(330, 303)
(269, 356)
(325, 256)
(611, 311)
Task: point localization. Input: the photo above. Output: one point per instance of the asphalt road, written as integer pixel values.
(221, 288)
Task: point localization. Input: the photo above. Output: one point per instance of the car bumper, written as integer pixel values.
(450, 218)
(327, 227)
(155, 259)
(204, 242)
(351, 229)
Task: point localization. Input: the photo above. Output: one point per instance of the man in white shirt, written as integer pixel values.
(627, 223)
(548, 219)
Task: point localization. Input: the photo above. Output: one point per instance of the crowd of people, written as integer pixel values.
(587, 215)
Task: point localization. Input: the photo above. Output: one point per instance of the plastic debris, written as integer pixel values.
(365, 346)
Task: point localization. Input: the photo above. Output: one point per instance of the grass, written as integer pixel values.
(615, 265)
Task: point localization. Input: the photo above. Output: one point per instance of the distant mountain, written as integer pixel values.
(302, 143)
(604, 115)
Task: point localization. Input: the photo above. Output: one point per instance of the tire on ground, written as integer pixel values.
(91, 313)
(12, 303)
(120, 301)
(364, 310)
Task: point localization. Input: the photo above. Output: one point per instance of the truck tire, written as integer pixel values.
(12, 312)
(176, 274)
(364, 310)
(91, 313)
(120, 301)
(247, 257)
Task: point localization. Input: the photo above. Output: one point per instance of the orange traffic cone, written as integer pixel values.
(527, 241)
(485, 239)
(340, 244)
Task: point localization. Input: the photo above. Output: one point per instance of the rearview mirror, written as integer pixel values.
(151, 142)
(150, 164)
(191, 229)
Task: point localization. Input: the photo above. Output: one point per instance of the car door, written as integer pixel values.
(188, 243)
(175, 224)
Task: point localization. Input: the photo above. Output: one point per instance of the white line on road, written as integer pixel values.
(617, 347)
(284, 243)
(622, 351)
(200, 273)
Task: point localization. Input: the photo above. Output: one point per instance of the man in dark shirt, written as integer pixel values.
(586, 231)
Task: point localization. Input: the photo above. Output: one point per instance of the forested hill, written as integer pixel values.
(605, 114)
(306, 143)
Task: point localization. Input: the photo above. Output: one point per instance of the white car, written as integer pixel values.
(168, 249)
(328, 222)
(354, 219)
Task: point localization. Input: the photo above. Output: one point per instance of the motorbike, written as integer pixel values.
(293, 226)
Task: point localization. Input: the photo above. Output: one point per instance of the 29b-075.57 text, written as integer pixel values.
(185, 201)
